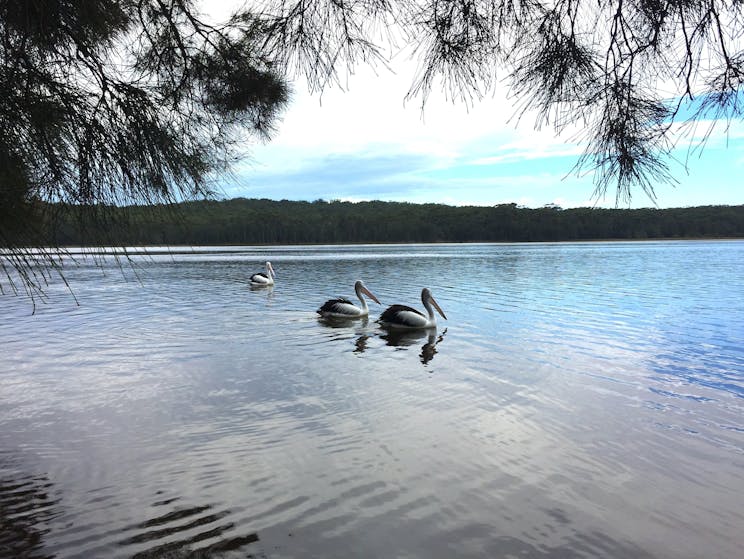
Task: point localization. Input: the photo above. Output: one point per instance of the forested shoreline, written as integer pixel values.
(260, 221)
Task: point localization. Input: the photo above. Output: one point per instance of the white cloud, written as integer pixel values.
(366, 143)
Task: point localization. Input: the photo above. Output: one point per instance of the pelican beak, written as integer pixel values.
(273, 273)
(439, 309)
(368, 293)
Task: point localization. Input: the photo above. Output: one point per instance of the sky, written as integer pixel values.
(366, 143)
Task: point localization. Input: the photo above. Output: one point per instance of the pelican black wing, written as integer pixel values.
(396, 314)
(330, 305)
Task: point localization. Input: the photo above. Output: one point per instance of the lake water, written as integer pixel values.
(582, 401)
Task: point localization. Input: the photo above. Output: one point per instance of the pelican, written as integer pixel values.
(264, 279)
(343, 308)
(401, 316)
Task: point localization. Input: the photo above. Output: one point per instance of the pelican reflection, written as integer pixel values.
(267, 290)
(360, 345)
(407, 338)
(359, 325)
(343, 322)
(356, 328)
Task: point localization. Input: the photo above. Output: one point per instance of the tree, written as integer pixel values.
(135, 101)
(113, 103)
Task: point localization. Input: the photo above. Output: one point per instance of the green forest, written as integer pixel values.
(260, 221)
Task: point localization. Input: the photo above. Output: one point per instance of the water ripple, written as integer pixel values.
(582, 400)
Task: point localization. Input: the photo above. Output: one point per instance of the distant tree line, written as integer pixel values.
(260, 221)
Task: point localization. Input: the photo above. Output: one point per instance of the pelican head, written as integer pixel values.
(428, 300)
(360, 288)
(270, 270)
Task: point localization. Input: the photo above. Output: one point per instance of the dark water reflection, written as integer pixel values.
(27, 503)
(403, 338)
(582, 401)
(363, 331)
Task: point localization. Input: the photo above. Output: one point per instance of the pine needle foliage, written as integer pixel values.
(623, 70)
(114, 103)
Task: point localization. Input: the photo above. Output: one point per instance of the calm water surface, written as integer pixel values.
(582, 401)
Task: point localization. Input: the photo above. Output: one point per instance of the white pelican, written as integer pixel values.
(401, 316)
(264, 279)
(343, 308)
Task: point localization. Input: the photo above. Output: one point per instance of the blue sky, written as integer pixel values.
(365, 143)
